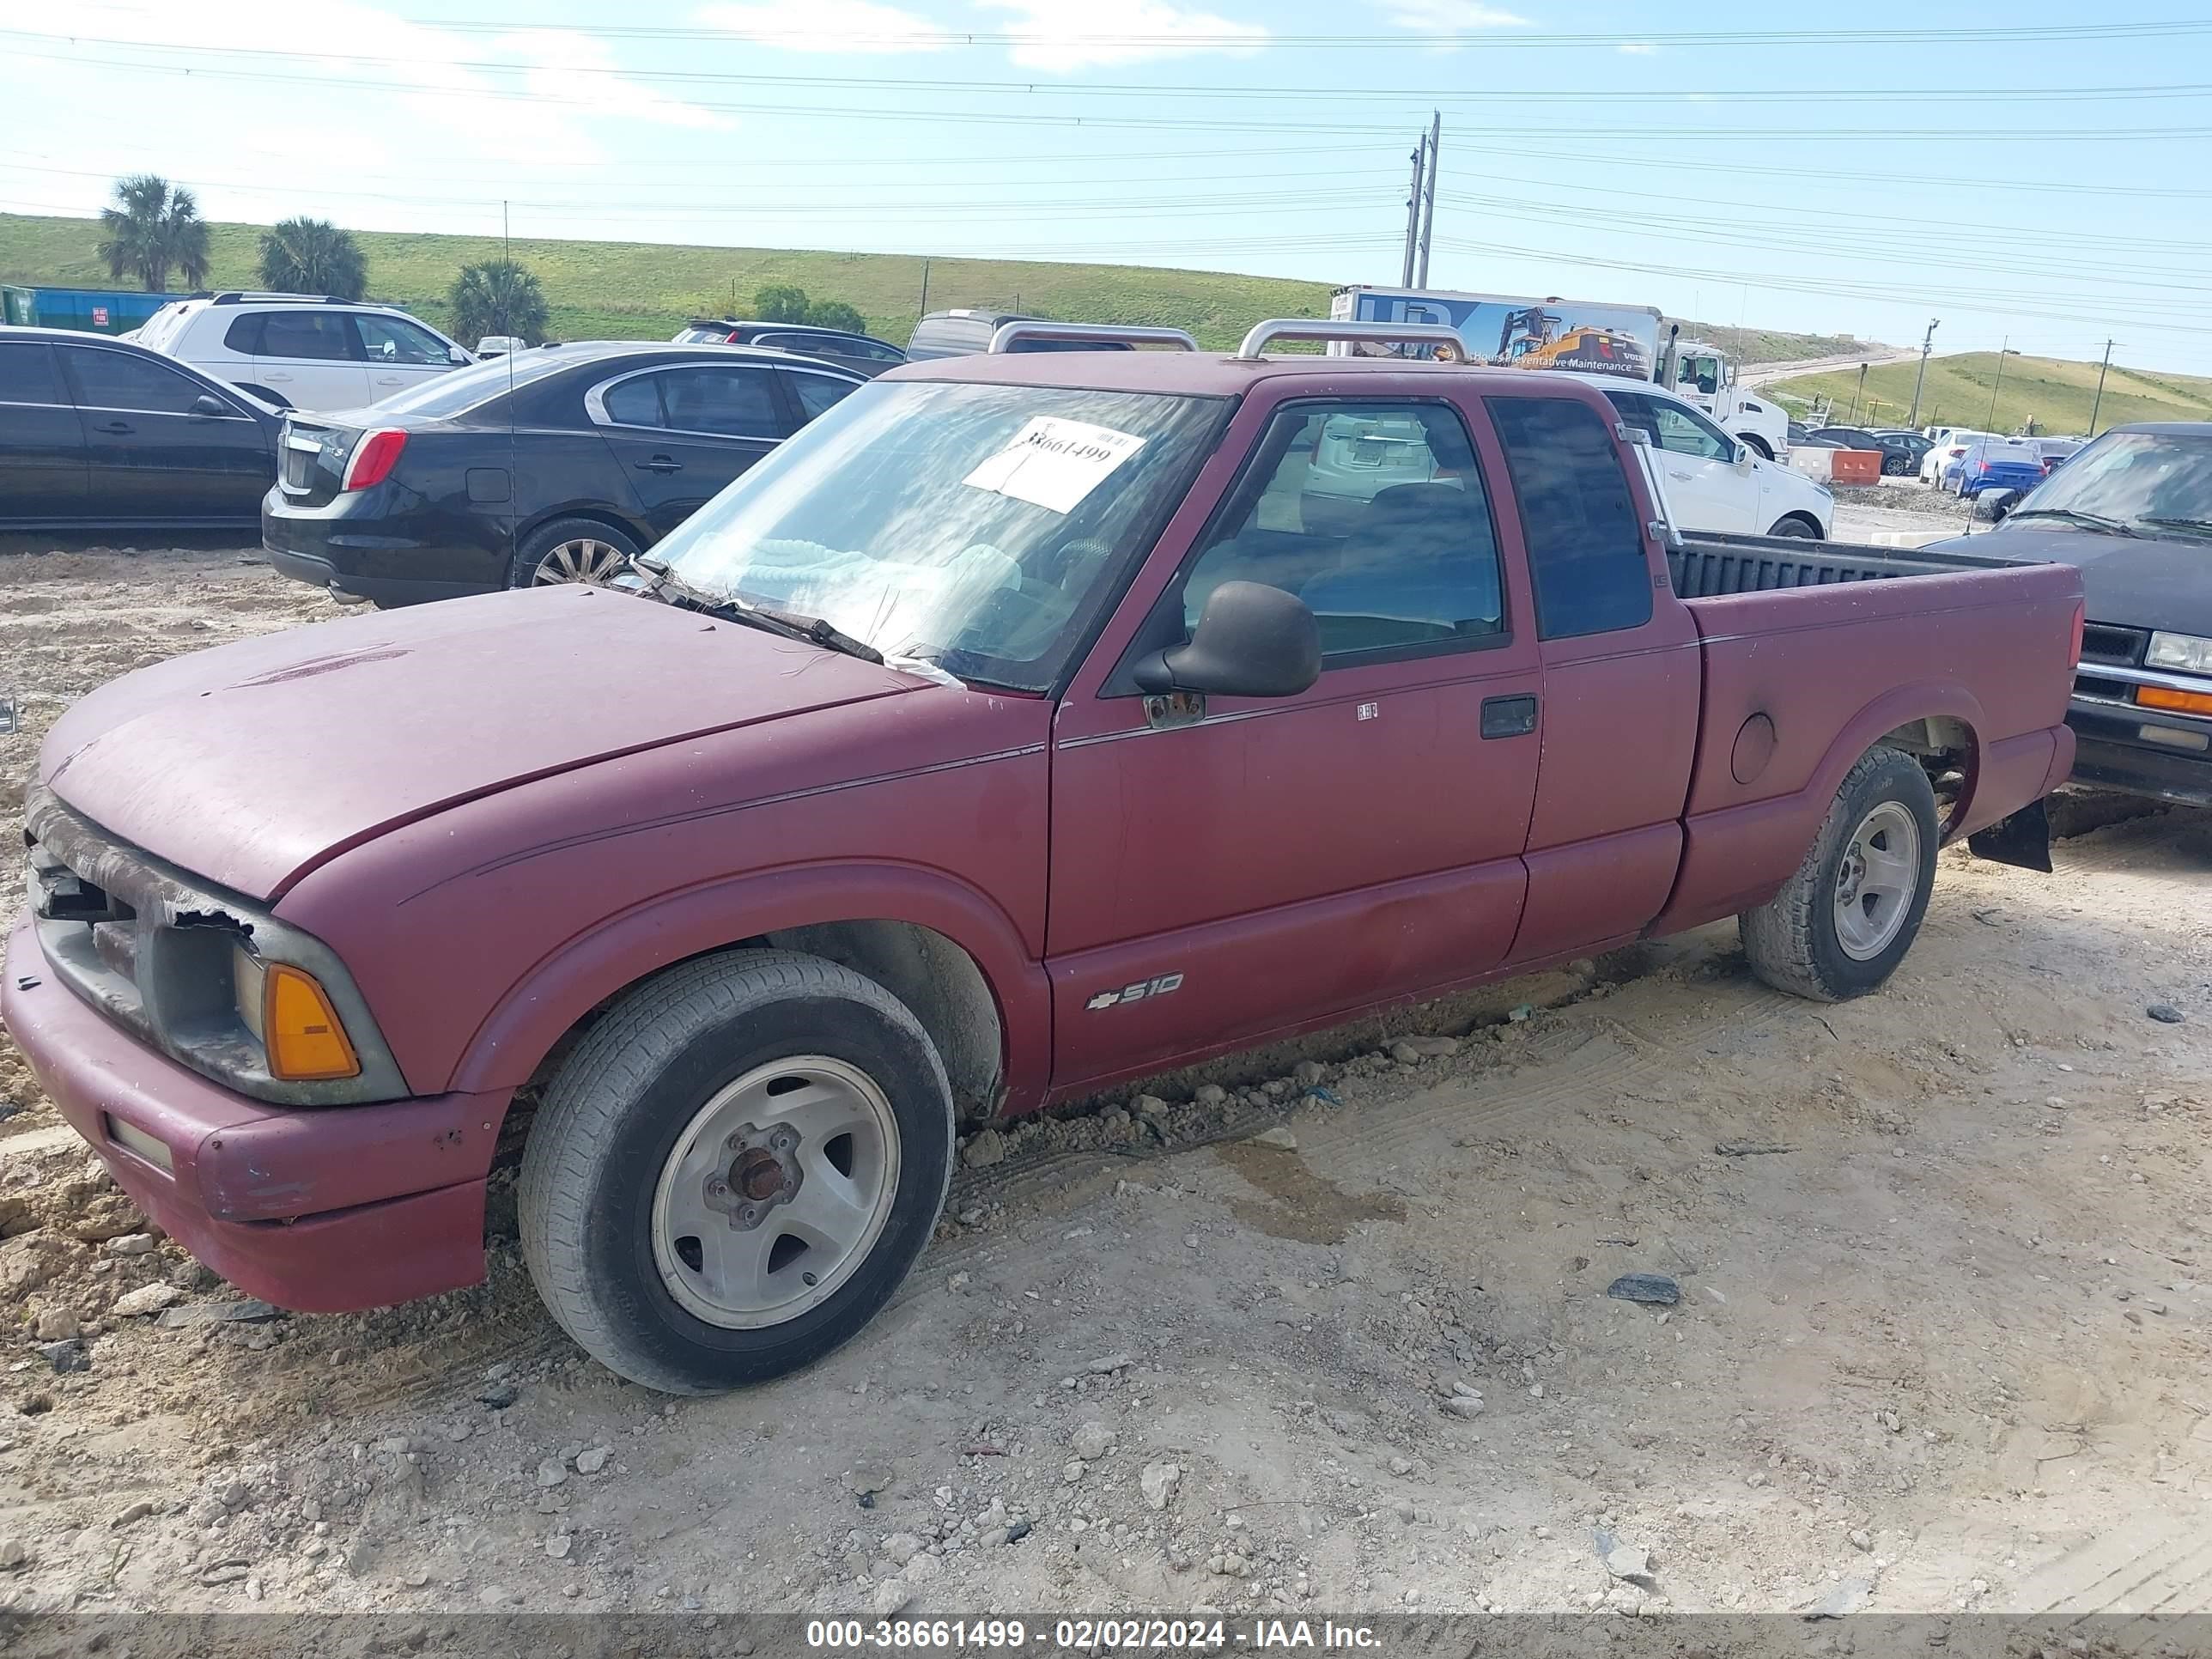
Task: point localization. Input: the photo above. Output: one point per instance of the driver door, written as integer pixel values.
(1224, 873)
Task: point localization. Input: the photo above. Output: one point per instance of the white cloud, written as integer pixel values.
(1073, 34)
(829, 26)
(1449, 16)
(343, 44)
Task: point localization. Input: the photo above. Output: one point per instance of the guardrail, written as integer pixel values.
(1104, 334)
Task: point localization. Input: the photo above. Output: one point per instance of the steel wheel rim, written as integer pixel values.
(1876, 880)
(775, 1193)
(582, 560)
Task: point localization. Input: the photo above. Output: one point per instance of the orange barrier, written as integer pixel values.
(1855, 467)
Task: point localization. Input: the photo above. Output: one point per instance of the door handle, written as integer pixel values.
(275, 374)
(117, 427)
(1684, 477)
(1508, 717)
(659, 464)
(392, 380)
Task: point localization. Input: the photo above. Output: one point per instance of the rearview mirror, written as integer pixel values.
(1251, 640)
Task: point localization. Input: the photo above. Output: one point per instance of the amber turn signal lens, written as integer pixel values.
(2181, 702)
(301, 1029)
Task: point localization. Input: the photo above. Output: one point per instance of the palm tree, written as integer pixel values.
(312, 256)
(497, 297)
(153, 226)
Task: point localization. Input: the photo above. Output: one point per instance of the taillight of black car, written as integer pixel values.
(374, 457)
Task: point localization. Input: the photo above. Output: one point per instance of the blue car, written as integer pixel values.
(1995, 463)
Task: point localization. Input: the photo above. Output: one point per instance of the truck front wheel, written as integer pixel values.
(735, 1169)
(1843, 923)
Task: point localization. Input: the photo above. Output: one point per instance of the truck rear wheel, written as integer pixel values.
(1840, 926)
(734, 1169)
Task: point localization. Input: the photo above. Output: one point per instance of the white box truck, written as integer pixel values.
(1523, 332)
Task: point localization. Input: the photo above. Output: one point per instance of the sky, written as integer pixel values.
(2034, 174)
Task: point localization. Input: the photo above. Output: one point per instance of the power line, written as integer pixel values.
(1501, 40)
(1643, 134)
(1242, 90)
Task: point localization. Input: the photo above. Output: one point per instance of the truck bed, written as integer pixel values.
(1707, 565)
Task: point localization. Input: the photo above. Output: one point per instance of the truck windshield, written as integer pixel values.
(2158, 480)
(973, 528)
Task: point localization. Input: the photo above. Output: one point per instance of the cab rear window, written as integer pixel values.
(1579, 520)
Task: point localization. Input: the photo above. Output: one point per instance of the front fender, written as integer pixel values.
(522, 1028)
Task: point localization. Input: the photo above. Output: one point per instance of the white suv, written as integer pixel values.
(301, 351)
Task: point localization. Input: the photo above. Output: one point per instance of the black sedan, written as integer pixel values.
(1900, 452)
(101, 434)
(552, 466)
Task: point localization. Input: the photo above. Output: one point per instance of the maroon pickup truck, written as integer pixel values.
(1028, 723)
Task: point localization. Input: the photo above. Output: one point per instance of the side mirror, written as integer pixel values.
(208, 403)
(1251, 640)
(1994, 504)
(457, 355)
(1743, 456)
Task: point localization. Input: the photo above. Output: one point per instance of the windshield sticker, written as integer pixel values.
(1053, 463)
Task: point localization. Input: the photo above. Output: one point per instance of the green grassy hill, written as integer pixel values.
(645, 290)
(2053, 392)
(1769, 345)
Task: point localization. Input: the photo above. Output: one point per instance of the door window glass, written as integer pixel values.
(395, 340)
(1375, 515)
(633, 402)
(26, 373)
(731, 403)
(306, 337)
(117, 379)
(243, 336)
(1578, 520)
(817, 392)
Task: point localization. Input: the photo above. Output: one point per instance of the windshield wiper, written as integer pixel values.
(2094, 520)
(2199, 527)
(672, 589)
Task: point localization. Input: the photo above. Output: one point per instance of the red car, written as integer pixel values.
(1007, 734)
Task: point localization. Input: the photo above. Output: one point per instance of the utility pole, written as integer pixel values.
(1927, 341)
(1852, 418)
(925, 288)
(2003, 351)
(2098, 402)
(1413, 214)
(1429, 207)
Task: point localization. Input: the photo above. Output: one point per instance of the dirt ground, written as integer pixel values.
(1941, 1340)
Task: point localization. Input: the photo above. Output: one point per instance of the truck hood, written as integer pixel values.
(2128, 581)
(251, 763)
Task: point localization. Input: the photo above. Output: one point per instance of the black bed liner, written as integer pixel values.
(1705, 565)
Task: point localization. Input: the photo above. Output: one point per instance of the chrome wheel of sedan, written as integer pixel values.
(581, 560)
(776, 1192)
(1876, 879)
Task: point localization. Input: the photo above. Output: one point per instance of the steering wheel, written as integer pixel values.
(1070, 558)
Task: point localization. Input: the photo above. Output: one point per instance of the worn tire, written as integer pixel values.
(616, 1108)
(522, 571)
(1791, 524)
(1792, 940)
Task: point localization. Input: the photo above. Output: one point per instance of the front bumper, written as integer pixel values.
(322, 1209)
(2112, 753)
